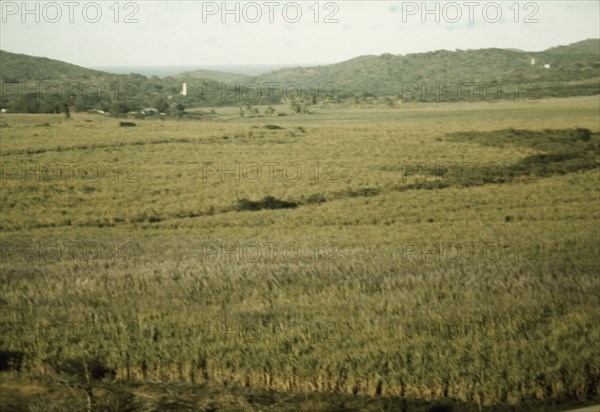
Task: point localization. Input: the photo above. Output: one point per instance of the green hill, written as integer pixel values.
(21, 67)
(574, 70)
(38, 84)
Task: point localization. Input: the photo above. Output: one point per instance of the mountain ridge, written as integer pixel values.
(573, 70)
(580, 46)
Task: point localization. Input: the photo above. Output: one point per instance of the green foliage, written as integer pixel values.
(161, 105)
(119, 107)
(574, 71)
(387, 77)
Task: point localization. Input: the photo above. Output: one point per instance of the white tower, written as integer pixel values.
(183, 91)
(532, 61)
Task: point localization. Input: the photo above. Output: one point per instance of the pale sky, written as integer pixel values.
(171, 32)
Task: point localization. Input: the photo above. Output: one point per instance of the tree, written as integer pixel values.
(29, 103)
(119, 107)
(161, 105)
(80, 104)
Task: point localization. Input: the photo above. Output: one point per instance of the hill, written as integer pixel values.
(573, 71)
(386, 74)
(21, 67)
(44, 85)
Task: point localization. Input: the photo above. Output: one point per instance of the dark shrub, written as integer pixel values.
(268, 202)
(11, 360)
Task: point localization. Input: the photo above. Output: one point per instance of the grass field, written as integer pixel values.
(431, 256)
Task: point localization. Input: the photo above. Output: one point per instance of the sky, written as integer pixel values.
(305, 32)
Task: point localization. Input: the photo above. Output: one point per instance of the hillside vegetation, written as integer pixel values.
(479, 74)
(574, 67)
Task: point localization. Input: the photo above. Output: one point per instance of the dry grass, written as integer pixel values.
(366, 309)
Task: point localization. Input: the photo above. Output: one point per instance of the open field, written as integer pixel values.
(434, 255)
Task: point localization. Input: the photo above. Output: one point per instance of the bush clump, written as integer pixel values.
(268, 202)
